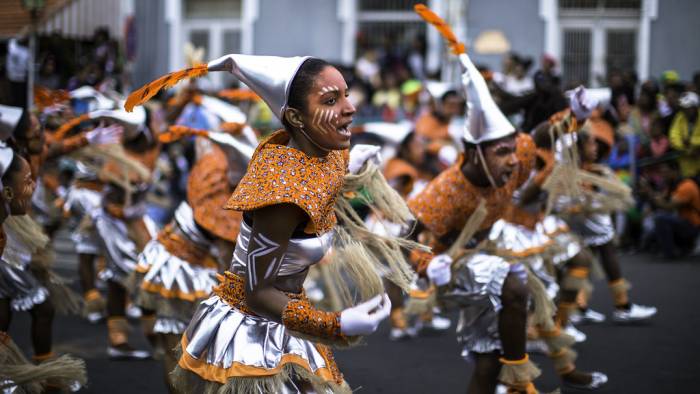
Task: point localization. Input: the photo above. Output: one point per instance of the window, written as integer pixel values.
(621, 50)
(389, 25)
(600, 4)
(598, 37)
(577, 57)
(212, 9)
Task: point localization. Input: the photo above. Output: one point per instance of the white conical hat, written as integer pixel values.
(268, 76)
(225, 111)
(130, 120)
(485, 122)
(392, 133)
(9, 118)
(6, 156)
(97, 99)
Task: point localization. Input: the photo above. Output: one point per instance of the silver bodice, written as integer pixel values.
(301, 252)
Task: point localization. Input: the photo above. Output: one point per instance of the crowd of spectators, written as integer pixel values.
(653, 124)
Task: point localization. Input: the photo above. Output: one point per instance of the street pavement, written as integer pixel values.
(662, 356)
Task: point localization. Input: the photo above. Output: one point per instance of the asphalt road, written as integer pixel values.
(660, 357)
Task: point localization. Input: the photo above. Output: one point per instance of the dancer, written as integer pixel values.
(459, 208)
(20, 290)
(258, 332)
(179, 267)
(590, 219)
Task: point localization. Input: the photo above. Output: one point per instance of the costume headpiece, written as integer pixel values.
(9, 118)
(485, 122)
(131, 121)
(392, 133)
(89, 93)
(268, 76)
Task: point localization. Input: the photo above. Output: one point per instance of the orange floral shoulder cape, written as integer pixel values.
(207, 191)
(447, 202)
(278, 174)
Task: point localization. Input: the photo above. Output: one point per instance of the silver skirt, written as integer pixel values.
(119, 250)
(594, 229)
(566, 244)
(81, 202)
(168, 277)
(230, 341)
(476, 290)
(21, 287)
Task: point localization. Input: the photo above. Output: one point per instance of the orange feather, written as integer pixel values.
(443, 28)
(166, 81)
(239, 95)
(177, 132)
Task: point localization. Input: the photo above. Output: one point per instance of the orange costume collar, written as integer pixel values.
(447, 202)
(278, 174)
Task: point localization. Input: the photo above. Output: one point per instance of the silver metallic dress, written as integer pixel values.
(120, 251)
(228, 345)
(81, 201)
(17, 283)
(174, 272)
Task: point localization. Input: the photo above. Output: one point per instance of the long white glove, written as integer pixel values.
(364, 318)
(362, 153)
(439, 270)
(105, 135)
(582, 104)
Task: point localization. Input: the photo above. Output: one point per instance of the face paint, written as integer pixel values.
(328, 89)
(325, 120)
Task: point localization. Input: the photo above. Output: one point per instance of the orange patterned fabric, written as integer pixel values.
(301, 316)
(447, 202)
(208, 190)
(185, 250)
(278, 174)
(567, 120)
(231, 289)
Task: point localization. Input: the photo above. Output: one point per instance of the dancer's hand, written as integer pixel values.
(361, 154)
(364, 318)
(582, 104)
(439, 270)
(105, 135)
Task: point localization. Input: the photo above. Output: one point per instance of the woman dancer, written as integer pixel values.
(259, 332)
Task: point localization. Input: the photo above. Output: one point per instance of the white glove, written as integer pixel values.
(439, 270)
(105, 135)
(361, 154)
(364, 318)
(582, 104)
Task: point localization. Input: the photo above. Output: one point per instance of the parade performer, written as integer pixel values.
(259, 332)
(459, 208)
(406, 170)
(179, 267)
(20, 290)
(589, 215)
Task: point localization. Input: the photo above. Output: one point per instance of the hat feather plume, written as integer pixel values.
(150, 89)
(443, 28)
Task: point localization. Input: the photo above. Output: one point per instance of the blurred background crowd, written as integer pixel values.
(651, 123)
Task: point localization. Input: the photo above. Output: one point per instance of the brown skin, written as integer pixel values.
(590, 150)
(501, 162)
(452, 106)
(34, 139)
(277, 222)
(337, 101)
(18, 191)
